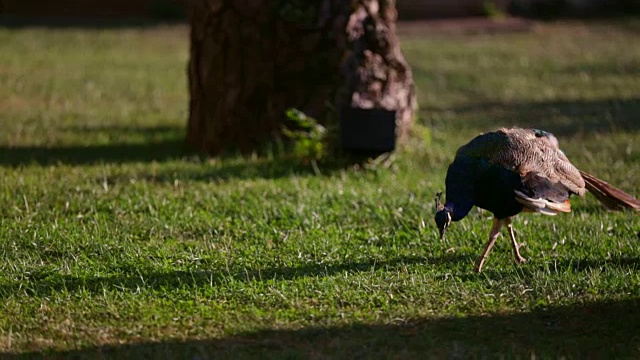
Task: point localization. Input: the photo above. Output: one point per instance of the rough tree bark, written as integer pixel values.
(253, 59)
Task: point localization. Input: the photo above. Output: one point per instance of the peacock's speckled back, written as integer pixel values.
(526, 151)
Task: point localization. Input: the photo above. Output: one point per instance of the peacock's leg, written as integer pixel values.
(516, 247)
(493, 235)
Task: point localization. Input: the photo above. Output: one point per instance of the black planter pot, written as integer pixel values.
(368, 132)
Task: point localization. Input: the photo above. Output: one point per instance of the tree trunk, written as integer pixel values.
(253, 59)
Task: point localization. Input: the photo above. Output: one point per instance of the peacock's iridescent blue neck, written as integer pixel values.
(459, 209)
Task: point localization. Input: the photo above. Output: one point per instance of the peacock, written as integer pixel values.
(508, 171)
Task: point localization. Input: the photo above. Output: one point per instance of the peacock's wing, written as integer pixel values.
(526, 151)
(538, 194)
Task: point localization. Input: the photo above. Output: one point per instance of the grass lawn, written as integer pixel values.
(114, 243)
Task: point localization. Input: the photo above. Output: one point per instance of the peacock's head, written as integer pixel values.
(443, 216)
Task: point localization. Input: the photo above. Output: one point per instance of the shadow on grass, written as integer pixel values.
(570, 265)
(77, 14)
(160, 147)
(131, 144)
(240, 170)
(93, 154)
(96, 23)
(594, 330)
(162, 151)
(126, 144)
(563, 118)
(600, 330)
(631, 68)
(44, 284)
